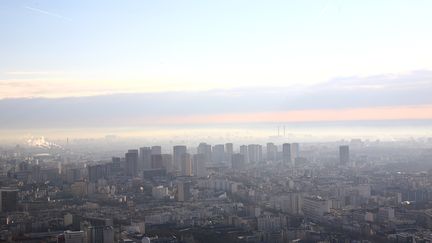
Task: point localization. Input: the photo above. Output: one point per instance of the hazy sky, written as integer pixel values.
(62, 48)
(366, 55)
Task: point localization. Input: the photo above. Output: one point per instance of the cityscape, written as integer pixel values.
(216, 121)
(345, 191)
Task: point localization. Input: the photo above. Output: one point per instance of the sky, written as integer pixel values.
(204, 63)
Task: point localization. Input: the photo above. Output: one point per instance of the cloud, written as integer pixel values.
(32, 73)
(412, 79)
(400, 89)
(381, 90)
(423, 112)
(351, 98)
(37, 10)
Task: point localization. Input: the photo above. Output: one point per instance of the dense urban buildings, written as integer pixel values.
(367, 191)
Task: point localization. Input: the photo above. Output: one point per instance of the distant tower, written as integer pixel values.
(155, 150)
(132, 162)
(255, 153)
(178, 152)
(218, 153)
(156, 161)
(186, 165)
(199, 165)
(295, 151)
(286, 153)
(229, 150)
(271, 151)
(205, 149)
(167, 161)
(344, 156)
(244, 152)
(145, 158)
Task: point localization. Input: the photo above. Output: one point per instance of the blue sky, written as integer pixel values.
(92, 47)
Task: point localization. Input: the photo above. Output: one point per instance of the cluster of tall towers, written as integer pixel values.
(184, 163)
(180, 160)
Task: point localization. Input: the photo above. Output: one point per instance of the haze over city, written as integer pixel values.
(234, 121)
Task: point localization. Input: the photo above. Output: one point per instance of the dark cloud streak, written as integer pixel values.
(117, 109)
